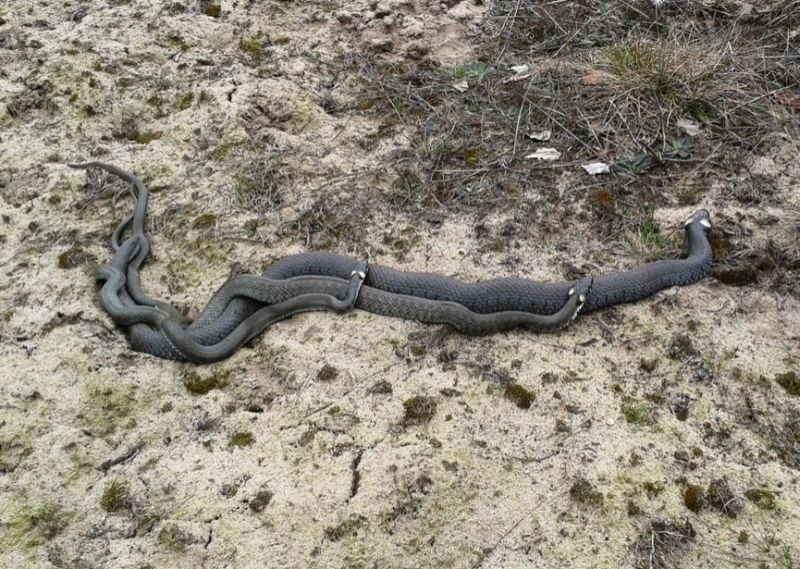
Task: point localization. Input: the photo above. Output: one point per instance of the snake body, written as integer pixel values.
(247, 304)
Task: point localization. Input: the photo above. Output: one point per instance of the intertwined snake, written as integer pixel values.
(247, 304)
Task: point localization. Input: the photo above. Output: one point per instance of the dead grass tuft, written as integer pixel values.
(666, 76)
(634, 74)
(334, 221)
(259, 180)
(662, 544)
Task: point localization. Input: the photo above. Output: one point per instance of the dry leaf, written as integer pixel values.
(788, 98)
(460, 85)
(540, 135)
(595, 77)
(546, 154)
(596, 168)
(691, 128)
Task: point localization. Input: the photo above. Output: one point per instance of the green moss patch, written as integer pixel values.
(173, 538)
(762, 499)
(107, 406)
(241, 439)
(349, 527)
(789, 381)
(205, 221)
(199, 385)
(717, 495)
(519, 395)
(32, 526)
(635, 411)
(253, 48)
(116, 497)
(584, 492)
(184, 101)
(148, 137)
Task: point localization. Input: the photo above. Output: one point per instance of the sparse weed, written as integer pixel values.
(258, 185)
(470, 70)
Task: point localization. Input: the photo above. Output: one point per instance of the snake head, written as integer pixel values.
(702, 218)
(582, 288)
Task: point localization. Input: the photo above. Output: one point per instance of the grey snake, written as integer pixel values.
(247, 304)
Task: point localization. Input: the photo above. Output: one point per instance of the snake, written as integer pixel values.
(246, 305)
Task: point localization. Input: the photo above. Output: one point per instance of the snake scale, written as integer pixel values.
(246, 305)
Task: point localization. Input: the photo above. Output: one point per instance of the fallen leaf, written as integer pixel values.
(519, 69)
(461, 85)
(595, 77)
(546, 154)
(690, 127)
(787, 98)
(540, 135)
(596, 168)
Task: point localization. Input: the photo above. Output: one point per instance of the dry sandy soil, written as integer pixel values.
(661, 434)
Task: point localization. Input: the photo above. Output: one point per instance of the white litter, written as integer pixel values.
(596, 168)
(461, 85)
(689, 127)
(546, 154)
(540, 135)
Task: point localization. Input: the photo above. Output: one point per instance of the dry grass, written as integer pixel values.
(662, 544)
(617, 80)
(260, 179)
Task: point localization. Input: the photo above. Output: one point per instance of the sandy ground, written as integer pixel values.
(355, 441)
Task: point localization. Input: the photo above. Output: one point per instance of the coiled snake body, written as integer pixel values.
(247, 304)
